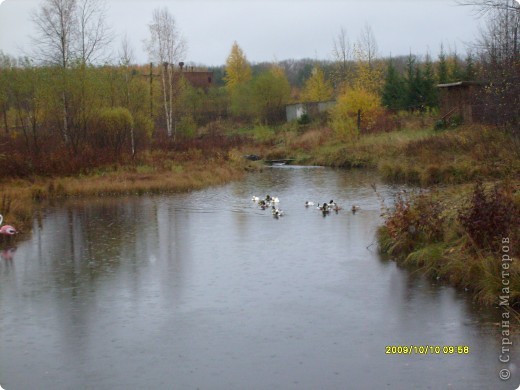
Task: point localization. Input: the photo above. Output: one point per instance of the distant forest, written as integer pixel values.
(298, 71)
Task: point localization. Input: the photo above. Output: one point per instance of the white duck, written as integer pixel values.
(277, 212)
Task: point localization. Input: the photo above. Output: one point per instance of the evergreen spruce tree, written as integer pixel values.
(470, 73)
(394, 94)
(456, 73)
(419, 89)
(430, 91)
(442, 68)
(411, 84)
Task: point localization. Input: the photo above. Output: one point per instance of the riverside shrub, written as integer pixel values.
(345, 112)
(414, 222)
(489, 217)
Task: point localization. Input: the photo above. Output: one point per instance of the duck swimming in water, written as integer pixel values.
(263, 204)
(277, 212)
(334, 206)
(355, 208)
(324, 207)
(307, 204)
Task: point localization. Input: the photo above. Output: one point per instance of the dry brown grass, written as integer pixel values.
(185, 177)
(19, 198)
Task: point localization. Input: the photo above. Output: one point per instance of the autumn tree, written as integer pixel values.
(241, 101)
(26, 92)
(317, 88)
(342, 54)
(367, 47)
(271, 92)
(113, 128)
(262, 98)
(55, 24)
(126, 56)
(166, 47)
(369, 72)
(369, 78)
(92, 31)
(354, 104)
(69, 32)
(6, 64)
(238, 70)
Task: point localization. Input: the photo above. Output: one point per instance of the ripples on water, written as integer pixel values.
(205, 290)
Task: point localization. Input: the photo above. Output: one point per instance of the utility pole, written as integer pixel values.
(151, 90)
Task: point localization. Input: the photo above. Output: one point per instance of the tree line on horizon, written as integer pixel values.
(59, 103)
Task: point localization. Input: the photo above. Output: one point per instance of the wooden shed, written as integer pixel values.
(460, 99)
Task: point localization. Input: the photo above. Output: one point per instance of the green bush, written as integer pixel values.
(263, 133)
(143, 130)
(187, 126)
(112, 128)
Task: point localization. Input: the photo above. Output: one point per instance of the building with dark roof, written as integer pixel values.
(461, 99)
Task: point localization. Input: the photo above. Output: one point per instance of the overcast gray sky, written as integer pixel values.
(273, 29)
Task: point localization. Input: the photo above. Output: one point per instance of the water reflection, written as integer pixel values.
(205, 290)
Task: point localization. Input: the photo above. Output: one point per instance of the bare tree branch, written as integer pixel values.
(482, 7)
(93, 32)
(70, 29)
(342, 53)
(367, 45)
(55, 23)
(126, 52)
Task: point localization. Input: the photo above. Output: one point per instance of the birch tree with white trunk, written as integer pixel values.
(69, 32)
(166, 47)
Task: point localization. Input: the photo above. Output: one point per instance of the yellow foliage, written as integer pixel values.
(369, 77)
(316, 88)
(278, 71)
(238, 70)
(344, 114)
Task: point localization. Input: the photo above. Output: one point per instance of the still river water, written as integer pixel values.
(206, 291)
